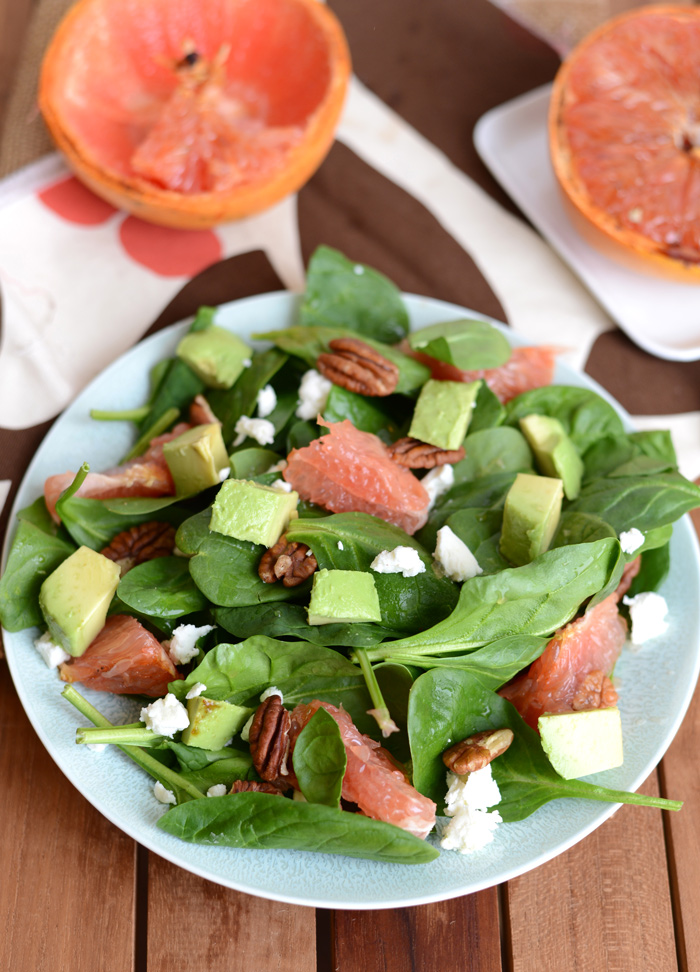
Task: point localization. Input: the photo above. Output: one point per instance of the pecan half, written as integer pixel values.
(143, 542)
(596, 691)
(251, 786)
(269, 738)
(421, 455)
(291, 563)
(354, 365)
(477, 751)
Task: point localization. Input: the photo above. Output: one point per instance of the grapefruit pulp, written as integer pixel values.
(189, 113)
(624, 136)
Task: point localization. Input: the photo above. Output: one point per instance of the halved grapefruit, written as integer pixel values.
(624, 135)
(372, 778)
(189, 113)
(349, 470)
(125, 659)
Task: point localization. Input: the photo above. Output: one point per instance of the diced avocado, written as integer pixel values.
(215, 355)
(580, 743)
(249, 511)
(212, 723)
(530, 517)
(443, 412)
(555, 453)
(343, 597)
(75, 598)
(196, 459)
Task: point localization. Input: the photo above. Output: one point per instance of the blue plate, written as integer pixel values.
(663, 671)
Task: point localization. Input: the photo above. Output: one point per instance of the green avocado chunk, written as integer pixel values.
(74, 599)
(212, 723)
(530, 517)
(580, 743)
(343, 597)
(249, 511)
(196, 459)
(443, 412)
(555, 453)
(215, 355)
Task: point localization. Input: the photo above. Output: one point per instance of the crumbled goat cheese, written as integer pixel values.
(245, 731)
(278, 467)
(97, 747)
(400, 560)
(468, 799)
(162, 795)
(340, 545)
(647, 613)
(454, 556)
(267, 400)
(247, 362)
(260, 429)
(196, 690)
(224, 473)
(437, 482)
(165, 716)
(282, 486)
(631, 540)
(358, 269)
(52, 653)
(218, 789)
(182, 647)
(272, 690)
(313, 394)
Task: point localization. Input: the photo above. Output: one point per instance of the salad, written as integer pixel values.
(394, 602)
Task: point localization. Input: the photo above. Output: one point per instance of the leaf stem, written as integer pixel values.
(157, 428)
(125, 415)
(169, 778)
(380, 712)
(136, 735)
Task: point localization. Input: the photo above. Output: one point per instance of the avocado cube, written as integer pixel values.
(580, 743)
(554, 451)
(215, 355)
(249, 511)
(530, 517)
(212, 723)
(343, 597)
(74, 599)
(443, 412)
(196, 459)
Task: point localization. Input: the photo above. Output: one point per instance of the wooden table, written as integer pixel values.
(77, 895)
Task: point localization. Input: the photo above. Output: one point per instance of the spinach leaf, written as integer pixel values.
(193, 531)
(531, 600)
(236, 766)
(362, 412)
(584, 414)
(487, 493)
(480, 529)
(241, 399)
(395, 683)
(580, 528)
(645, 502)
(161, 588)
(302, 433)
(226, 571)
(34, 555)
(308, 342)
(280, 619)
(493, 451)
(38, 514)
(446, 706)
(264, 821)
(248, 463)
(610, 454)
(319, 760)
(191, 758)
(407, 603)
(177, 387)
(656, 564)
(488, 410)
(494, 664)
(466, 344)
(341, 293)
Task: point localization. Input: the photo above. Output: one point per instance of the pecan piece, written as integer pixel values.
(251, 786)
(415, 454)
(477, 751)
(291, 563)
(143, 542)
(596, 691)
(354, 365)
(269, 738)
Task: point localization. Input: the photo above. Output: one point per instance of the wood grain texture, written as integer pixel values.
(67, 884)
(194, 925)
(451, 936)
(603, 905)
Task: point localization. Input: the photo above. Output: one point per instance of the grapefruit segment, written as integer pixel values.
(348, 470)
(124, 658)
(372, 779)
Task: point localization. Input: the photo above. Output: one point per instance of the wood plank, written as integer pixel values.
(67, 887)
(603, 905)
(445, 937)
(194, 925)
(14, 20)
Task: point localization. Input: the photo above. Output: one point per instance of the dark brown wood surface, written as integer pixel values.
(77, 894)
